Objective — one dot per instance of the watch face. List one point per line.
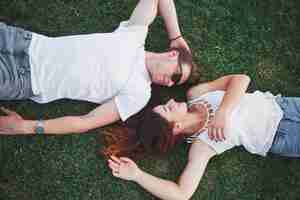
(39, 130)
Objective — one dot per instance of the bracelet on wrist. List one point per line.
(175, 38)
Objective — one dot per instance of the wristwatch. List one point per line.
(39, 128)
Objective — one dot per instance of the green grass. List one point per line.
(260, 38)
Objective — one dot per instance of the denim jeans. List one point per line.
(15, 79)
(287, 138)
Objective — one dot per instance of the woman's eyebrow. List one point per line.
(164, 108)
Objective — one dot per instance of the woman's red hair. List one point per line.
(153, 135)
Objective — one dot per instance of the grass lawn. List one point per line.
(259, 38)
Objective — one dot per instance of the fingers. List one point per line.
(10, 112)
(161, 79)
(210, 133)
(180, 43)
(115, 159)
(126, 160)
(7, 111)
(116, 174)
(118, 165)
(222, 135)
(113, 165)
(216, 134)
(115, 168)
(6, 131)
(167, 81)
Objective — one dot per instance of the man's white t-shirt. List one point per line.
(253, 122)
(93, 67)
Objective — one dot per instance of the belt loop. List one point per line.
(281, 101)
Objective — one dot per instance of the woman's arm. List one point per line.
(199, 155)
(104, 114)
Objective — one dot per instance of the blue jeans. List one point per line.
(287, 138)
(15, 80)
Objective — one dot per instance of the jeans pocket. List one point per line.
(287, 139)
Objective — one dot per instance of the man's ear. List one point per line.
(177, 128)
(173, 53)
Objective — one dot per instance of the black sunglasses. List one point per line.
(176, 77)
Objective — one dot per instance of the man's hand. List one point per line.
(124, 168)
(217, 125)
(12, 123)
(180, 43)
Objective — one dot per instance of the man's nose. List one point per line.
(167, 81)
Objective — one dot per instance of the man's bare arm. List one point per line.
(144, 13)
(239, 81)
(168, 12)
(104, 114)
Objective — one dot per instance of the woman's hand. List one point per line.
(217, 125)
(124, 168)
(180, 43)
(12, 123)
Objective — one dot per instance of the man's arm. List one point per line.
(199, 155)
(235, 87)
(235, 82)
(144, 13)
(168, 12)
(104, 114)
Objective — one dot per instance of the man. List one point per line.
(112, 69)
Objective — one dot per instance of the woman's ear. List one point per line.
(177, 128)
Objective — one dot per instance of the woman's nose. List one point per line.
(171, 101)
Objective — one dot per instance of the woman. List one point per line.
(218, 116)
